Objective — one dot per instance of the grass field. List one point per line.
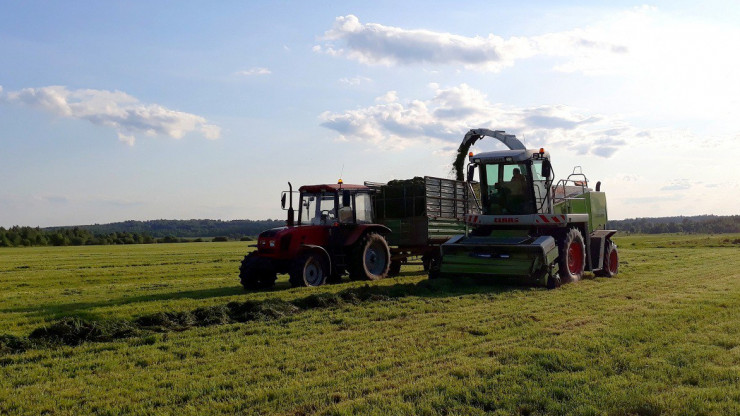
(663, 337)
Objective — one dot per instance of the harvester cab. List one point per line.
(529, 230)
(334, 234)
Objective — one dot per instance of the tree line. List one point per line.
(29, 236)
(704, 224)
(179, 231)
(234, 229)
(135, 232)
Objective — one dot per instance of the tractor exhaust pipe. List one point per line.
(291, 213)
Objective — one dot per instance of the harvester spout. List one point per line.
(509, 140)
(473, 136)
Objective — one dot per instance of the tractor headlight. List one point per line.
(509, 159)
(272, 243)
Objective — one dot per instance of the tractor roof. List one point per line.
(516, 155)
(333, 187)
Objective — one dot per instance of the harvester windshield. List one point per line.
(513, 188)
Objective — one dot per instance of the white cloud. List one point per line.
(354, 80)
(254, 71)
(116, 109)
(373, 43)
(677, 185)
(451, 112)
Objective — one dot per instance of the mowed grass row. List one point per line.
(661, 338)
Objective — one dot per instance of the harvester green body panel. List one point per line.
(524, 259)
(592, 203)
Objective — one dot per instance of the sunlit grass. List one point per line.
(663, 337)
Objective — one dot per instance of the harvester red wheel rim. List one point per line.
(575, 258)
(613, 262)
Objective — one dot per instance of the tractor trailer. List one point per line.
(367, 231)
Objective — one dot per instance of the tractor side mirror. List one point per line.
(471, 172)
(282, 201)
(346, 198)
(546, 169)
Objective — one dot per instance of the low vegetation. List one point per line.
(162, 328)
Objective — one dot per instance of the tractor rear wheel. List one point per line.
(611, 260)
(572, 256)
(256, 272)
(370, 258)
(309, 269)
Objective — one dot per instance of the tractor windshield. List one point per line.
(318, 208)
(508, 189)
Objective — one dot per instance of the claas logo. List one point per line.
(506, 220)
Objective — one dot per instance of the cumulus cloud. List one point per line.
(254, 71)
(451, 112)
(374, 43)
(127, 115)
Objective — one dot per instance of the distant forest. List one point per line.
(176, 231)
(185, 228)
(136, 232)
(702, 224)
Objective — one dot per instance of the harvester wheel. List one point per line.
(370, 259)
(394, 268)
(309, 269)
(255, 272)
(572, 256)
(611, 260)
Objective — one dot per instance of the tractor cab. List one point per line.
(334, 204)
(513, 182)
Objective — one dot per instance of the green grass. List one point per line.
(663, 337)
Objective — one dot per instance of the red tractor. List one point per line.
(335, 233)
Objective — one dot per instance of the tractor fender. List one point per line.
(361, 230)
(318, 249)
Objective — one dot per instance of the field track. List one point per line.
(663, 337)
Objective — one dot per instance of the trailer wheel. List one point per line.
(370, 258)
(435, 264)
(309, 269)
(572, 256)
(611, 260)
(394, 268)
(256, 272)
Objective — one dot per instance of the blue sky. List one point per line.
(143, 110)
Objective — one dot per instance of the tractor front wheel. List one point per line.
(256, 272)
(370, 258)
(572, 256)
(309, 269)
(611, 260)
